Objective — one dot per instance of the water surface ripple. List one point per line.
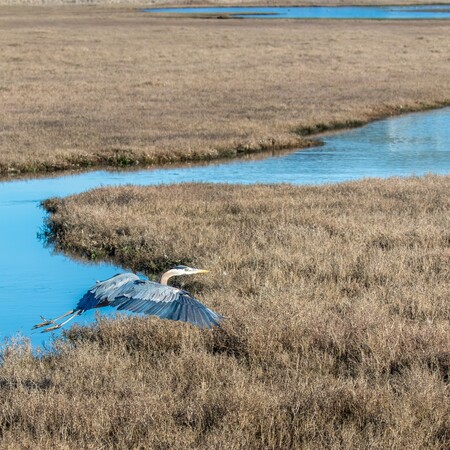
(35, 281)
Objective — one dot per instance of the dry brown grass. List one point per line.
(338, 331)
(93, 86)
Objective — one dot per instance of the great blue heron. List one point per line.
(127, 291)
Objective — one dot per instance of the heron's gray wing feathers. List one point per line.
(165, 302)
(104, 291)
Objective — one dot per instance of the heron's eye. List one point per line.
(186, 269)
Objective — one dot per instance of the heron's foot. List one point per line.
(54, 327)
(44, 323)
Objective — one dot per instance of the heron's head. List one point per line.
(181, 270)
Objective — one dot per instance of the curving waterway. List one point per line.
(34, 280)
(408, 12)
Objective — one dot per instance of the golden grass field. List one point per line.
(337, 334)
(99, 86)
(336, 297)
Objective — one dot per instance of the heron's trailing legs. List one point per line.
(56, 326)
(46, 322)
(50, 321)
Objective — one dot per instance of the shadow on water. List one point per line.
(35, 280)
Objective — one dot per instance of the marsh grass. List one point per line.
(82, 87)
(337, 299)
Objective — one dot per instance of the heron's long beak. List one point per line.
(202, 271)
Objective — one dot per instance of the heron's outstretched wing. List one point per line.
(165, 302)
(104, 291)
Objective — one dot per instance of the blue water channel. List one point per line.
(34, 280)
(318, 12)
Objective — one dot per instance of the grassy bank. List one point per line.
(97, 86)
(337, 333)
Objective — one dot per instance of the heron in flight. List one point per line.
(127, 291)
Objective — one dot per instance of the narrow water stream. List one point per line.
(34, 280)
(390, 12)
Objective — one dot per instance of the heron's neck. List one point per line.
(165, 277)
